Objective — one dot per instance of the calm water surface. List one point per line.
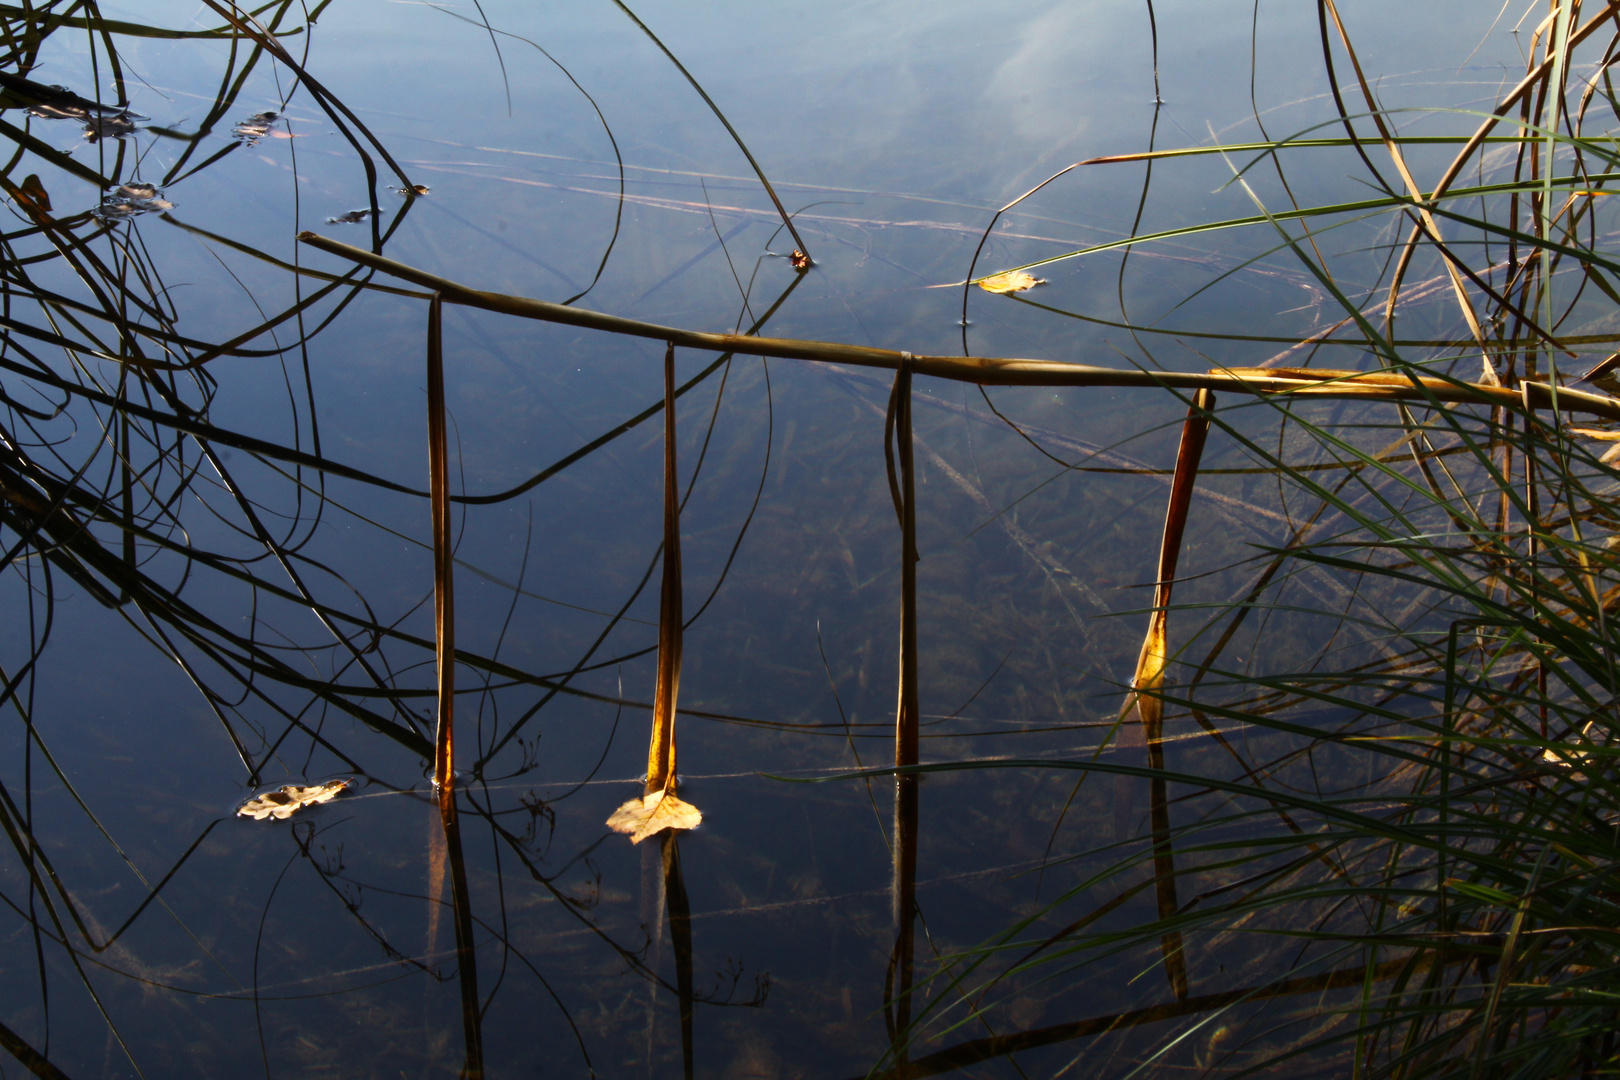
(332, 944)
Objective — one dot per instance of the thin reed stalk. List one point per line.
(680, 939)
(801, 259)
(898, 451)
(472, 1021)
(444, 607)
(659, 808)
(1148, 681)
(898, 448)
(661, 751)
(899, 980)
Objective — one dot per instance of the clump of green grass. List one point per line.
(1393, 848)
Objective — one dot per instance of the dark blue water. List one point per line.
(327, 945)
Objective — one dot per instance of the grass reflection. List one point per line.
(1369, 737)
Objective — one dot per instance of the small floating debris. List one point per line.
(353, 217)
(1010, 282)
(108, 126)
(287, 801)
(800, 261)
(131, 200)
(414, 189)
(255, 127)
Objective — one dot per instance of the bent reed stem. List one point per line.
(999, 371)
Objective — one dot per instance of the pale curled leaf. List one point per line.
(284, 802)
(1010, 282)
(642, 817)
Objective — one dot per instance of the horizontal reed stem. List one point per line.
(995, 371)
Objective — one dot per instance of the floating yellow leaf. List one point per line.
(1012, 281)
(286, 801)
(642, 817)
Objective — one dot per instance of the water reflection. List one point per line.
(227, 573)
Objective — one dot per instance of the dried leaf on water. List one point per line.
(286, 801)
(1010, 282)
(646, 815)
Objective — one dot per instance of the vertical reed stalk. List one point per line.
(1533, 526)
(661, 751)
(653, 912)
(898, 982)
(680, 937)
(1149, 679)
(472, 1019)
(444, 611)
(898, 437)
(658, 808)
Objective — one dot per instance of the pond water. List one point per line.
(219, 618)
